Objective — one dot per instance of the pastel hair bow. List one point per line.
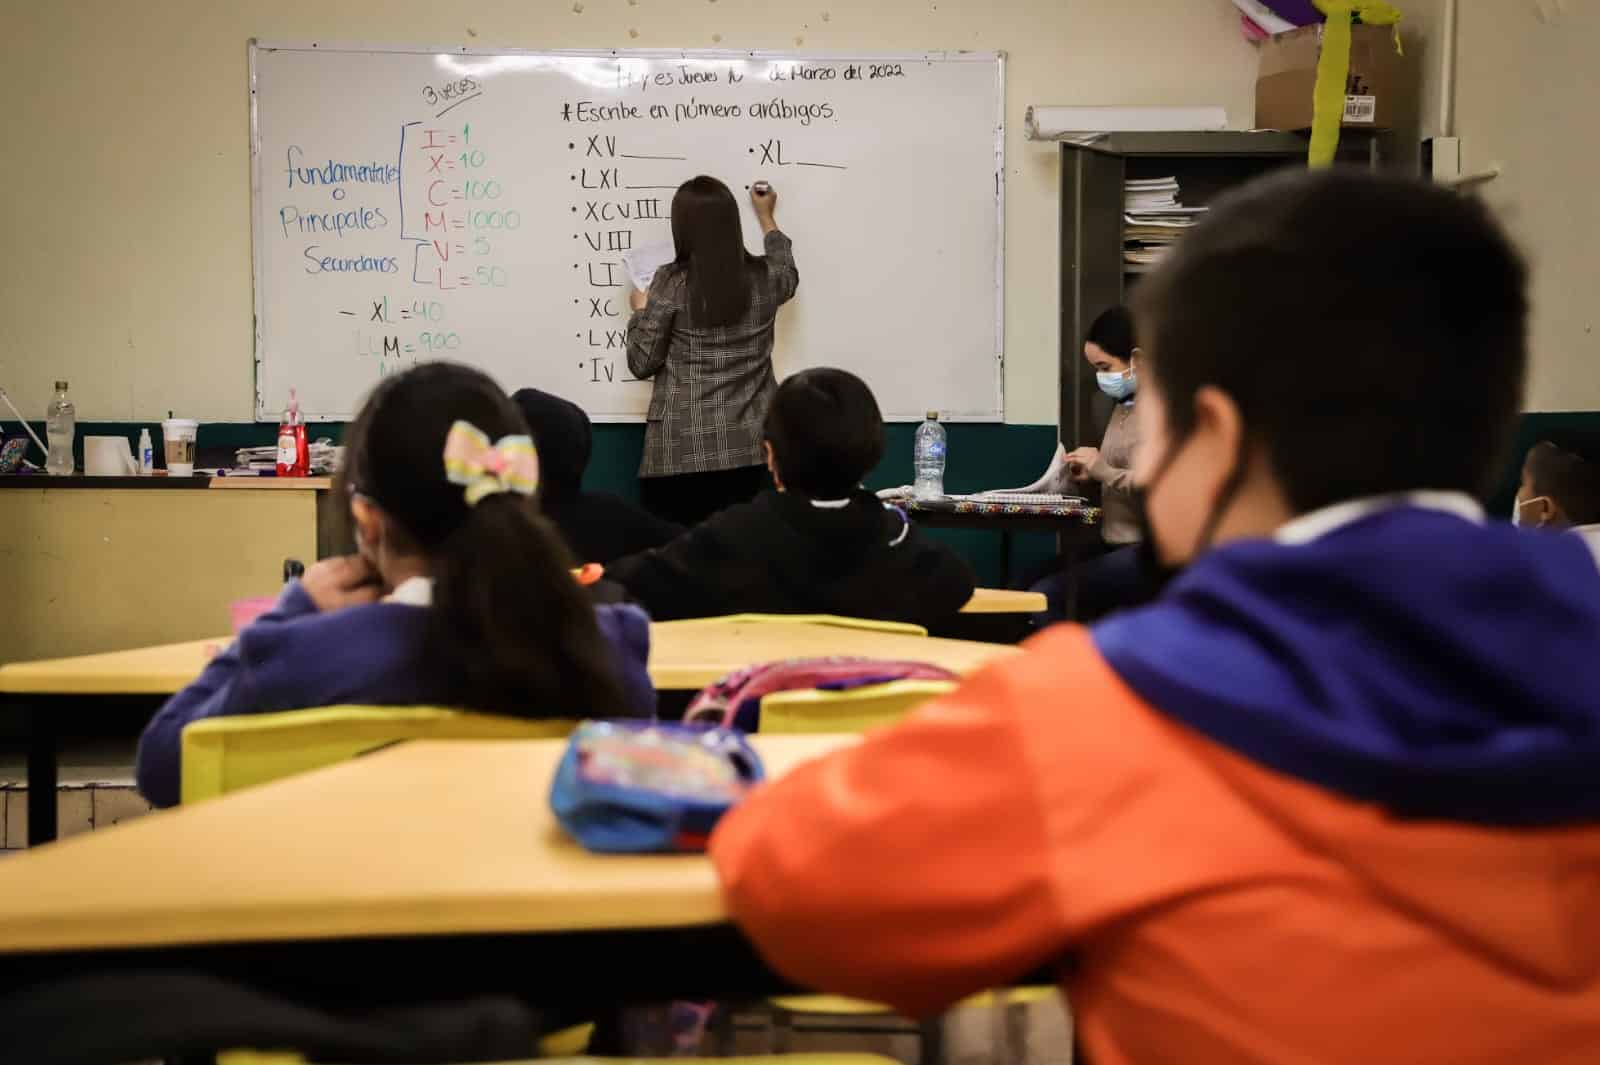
(511, 464)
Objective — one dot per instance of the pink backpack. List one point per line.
(735, 700)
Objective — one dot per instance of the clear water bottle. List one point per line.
(929, 459)
(61, 423)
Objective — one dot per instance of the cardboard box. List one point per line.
(1288, 77)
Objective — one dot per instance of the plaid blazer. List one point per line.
(712, 385)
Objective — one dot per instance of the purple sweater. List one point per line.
(283, 662)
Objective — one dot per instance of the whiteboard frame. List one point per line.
(998, 58)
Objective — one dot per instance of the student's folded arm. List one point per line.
(648, 328)
(912, 869)
(670, 581)
(224, 687)
(780, 263)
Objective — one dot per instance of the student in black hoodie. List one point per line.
(597, 526)
(820, 544)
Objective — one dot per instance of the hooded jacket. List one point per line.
(1334, 798)
(597, 526)
(782, 553)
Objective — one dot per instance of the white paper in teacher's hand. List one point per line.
(643, 262)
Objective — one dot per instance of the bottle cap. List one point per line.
(61, 386)
(933, 415)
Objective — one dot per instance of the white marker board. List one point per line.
(475, 204)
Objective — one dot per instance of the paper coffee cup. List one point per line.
(178, 434)
(108, 456)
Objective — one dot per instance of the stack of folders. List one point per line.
(324, 456)
(1153, 220)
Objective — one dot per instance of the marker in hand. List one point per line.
(764, 199)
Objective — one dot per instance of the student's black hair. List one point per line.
(709, 243)
(1372, 331)
(510, 630)
(1568, 478)
(826, 433)
(1112, 333)
(565, 439)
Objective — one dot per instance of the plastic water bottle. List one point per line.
(929, 459)
(61, 423)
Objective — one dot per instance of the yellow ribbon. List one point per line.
(1333, 69)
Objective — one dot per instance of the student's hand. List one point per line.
(1079, 462)
(637, 299)
(335, 583)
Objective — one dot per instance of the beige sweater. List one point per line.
(1114, 471)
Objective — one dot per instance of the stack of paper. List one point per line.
(325, 458)
(1153, 220)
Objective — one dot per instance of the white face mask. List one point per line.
(1516, 509)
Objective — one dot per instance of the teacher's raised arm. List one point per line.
(704, 335)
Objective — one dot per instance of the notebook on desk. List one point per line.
(1030, 499)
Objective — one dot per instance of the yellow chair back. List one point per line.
(901, 628)
(854, 710)
(223, 754)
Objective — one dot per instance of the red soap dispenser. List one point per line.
(294, 454)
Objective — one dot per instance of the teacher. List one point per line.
(704, 333)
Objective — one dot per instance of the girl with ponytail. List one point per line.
(460, 593)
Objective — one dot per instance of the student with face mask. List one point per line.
(1559, 490)
(1332, 797)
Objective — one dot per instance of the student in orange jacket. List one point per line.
(1335, 797)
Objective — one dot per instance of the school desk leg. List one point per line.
(42, 744)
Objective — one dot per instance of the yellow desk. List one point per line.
(685, 655)
(1005, 601)
(691, 654)
(426, 871)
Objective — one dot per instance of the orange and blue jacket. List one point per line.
(1325, 802)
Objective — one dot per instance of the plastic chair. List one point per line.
(223, 754)
(900, 628)
(851, 710)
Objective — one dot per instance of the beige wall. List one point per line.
(128, 143)
(1527, 88)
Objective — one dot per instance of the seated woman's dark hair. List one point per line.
(510, 630)
(826, 433)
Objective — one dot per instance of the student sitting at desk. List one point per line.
(461, 594)
(1559, 490)
(1332, 798)
(820, 544)
(597, 526)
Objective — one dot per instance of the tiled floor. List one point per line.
(96, 791)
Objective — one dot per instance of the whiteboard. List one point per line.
(474, 205)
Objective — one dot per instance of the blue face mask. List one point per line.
(1117, 386)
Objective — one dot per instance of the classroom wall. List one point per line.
(129, 138)
(1527, 83)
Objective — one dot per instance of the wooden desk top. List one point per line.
(426, 838)
(302, 484)
(684, 655)
(691, 654)
(1004, 601)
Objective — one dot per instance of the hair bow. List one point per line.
(511, 464)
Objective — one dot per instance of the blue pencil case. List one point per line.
(626, 787)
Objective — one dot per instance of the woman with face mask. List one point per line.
(1114, 579)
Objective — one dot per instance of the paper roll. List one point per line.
(108, 456)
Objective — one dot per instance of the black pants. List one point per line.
(1111, 582)
(691, 498)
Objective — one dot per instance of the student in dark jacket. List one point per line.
(597, 526)
(820, 544)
